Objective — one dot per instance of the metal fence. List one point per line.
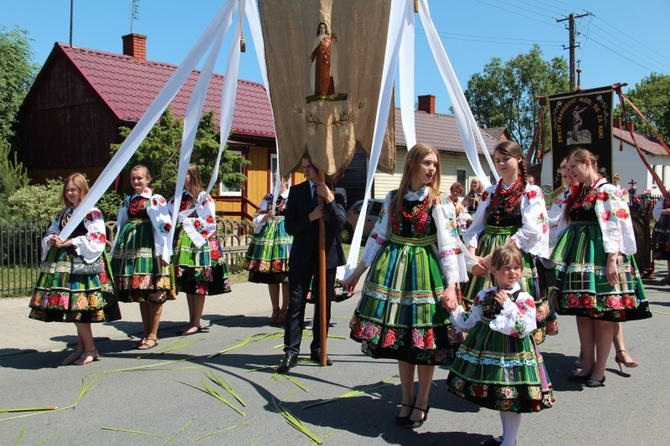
(20, 251)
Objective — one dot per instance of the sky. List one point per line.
(619, 41)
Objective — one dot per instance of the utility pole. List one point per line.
(571, 29)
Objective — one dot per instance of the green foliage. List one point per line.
(160, 153)
(109, 205)
(17, 74)
(652, 97)
(38, 202)
(505, 94)
(13, 176)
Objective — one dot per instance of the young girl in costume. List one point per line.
(200, 269)
(499, 366)
(267, 256)
(416, 259)
(510, 212)
(75, 284)
(141, 254)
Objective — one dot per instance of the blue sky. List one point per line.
(621, 41)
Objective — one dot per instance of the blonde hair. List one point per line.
(413, 160)
(142, 166)
(506, 255)
(196, 181)
(78, 180)
(479, 186)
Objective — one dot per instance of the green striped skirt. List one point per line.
(200, 271)
(582, 288)
(268, 253)
(399, 315)
(500, 372)
(59, 296)
(139, 276)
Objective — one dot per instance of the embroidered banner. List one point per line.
(582, 119)
(324, 64)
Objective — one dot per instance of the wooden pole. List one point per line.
(323, 298)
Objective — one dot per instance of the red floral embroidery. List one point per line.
(485, 195)
(210, 219)
(573, 300)
(606, 216)
(586, 301)
(603, 196)
(197, 224)
(531, 194)
(622, 214)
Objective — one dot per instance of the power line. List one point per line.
(516, 13)
(491, 39)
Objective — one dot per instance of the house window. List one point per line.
(460, 177)
(232, 191)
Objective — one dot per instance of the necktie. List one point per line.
(314, 197)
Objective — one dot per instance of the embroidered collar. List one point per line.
(418, 195)
(146, 193)
(516, 287)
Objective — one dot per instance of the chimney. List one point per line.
(135, 45)
(617, 123)
(631, 127)
(427, 103)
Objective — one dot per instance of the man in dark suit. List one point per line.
(301, 219)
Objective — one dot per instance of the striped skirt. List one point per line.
(200, 271)
(139, 276)
(59, 296)
(268, 253)
(582, 288)
(660, 239)
(399, 315)
(500, 372)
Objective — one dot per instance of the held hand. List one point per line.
(317, 213)
(485, 262)
(448, 300)
(501, 297)
(53, 240)
(57, 241)
(324, 191)
(350, 282)
(480, 270)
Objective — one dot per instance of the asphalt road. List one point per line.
(131, 399)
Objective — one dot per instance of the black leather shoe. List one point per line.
(287, 363)
(578, 378)
(316, 357)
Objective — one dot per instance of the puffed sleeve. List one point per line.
(533, 235)
(54, 229)
(260, 212)
(615, 221)
(379, 233)
(157, 210)
(200, 228)
(471, 235)
(658, 208)
(465, 320)
(516, 319)
(449, 243)
(91, 245)
(121, 220)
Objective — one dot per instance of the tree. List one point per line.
(13, 176)
(37, 202)
(160, 153)
(652, 97)
(505, 93)
(17, 74)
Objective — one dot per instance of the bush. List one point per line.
(38, 202)
(109, 205)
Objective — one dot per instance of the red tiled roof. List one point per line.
(647, 144)
(128, 87)
(440, 131)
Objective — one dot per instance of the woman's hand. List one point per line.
(611, 270)
(350, 282)
(267, 216)
(501, 297)
(448, 300)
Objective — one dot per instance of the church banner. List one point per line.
(582, 119)
(324, 63)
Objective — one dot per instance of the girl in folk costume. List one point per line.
(416, 260)
(141, 254)
(597, 277)
(471, 201)
(75, 284)
(267, 256)
(511, 212)
(200, 268)
(499, 366)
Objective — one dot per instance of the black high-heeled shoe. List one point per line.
(417, 424)
(401, 421)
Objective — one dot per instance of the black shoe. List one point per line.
(316, 357)
(401, 421)
(493, 442)
(578, 378)
(417, 424)
(287, 363)
(595, 383)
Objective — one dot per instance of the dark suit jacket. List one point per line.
(304, 250)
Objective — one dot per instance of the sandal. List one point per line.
(87, 358)
(188, 331)
(149, 344)
(72, 358)
(141, 343)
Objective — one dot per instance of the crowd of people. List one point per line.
(474, 283)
